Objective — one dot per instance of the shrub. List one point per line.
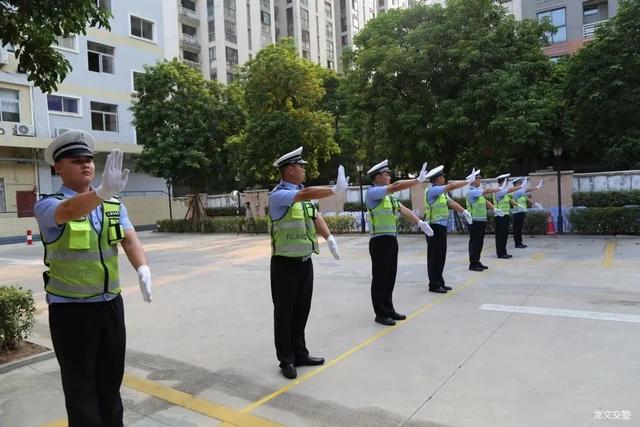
(220, 224)
(17, 311)
(341, 224)
(355, 206)
(605, 220)
(606, 199)
(230, 211)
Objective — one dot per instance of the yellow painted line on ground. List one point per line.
(230, 416)
(609, 251)
(352, 350)
(538, 256)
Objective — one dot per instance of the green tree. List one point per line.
(462, 85)
(32, 26)
(282, 96)
(603, 94)
(182, 123)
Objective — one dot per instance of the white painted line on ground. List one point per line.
(579, 314)
(18, 261)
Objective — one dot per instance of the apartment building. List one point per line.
(576, 20)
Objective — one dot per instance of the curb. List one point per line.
(49, 354)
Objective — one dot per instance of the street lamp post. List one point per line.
(359, 167)
(557, 152)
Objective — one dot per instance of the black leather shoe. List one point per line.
(440, 290)
(505, 256)
(476, 268)
(387, 321)
(398, 316)
(289, 371)
(484, 266)
(309, 361)
(521, 246)
(448, 288)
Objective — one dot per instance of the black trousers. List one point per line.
(502, 234)
(436, 255)
(384, 265)
(518, 224)
(476, 240)
(89, 340)
(291, 291)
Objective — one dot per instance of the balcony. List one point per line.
(192, 64)
(187, 40)
(589, 30)
(188, 15)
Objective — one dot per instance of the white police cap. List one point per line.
(383, 166)
(477, 175)
(517, 179)
(73, 143)
(435, 172)
(503, 176)
(293, 157)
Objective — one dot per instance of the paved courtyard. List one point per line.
(547, 338)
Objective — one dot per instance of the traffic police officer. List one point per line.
(436, 209)
(293, 224)
(502, 201)
(81, 227)
(383, 209)
(478, 205)
(519, 211)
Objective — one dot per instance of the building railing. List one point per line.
(192, 40)
(589, 30)
(192, 64)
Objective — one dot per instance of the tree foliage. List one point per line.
(461, 85)
(32, 26)
(182, 123)
(603, 93)
(282, 97)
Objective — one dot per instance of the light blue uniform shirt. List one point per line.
(473, 195)
(515, 195)
(374, 196)
(281, 198)
(44, 211)
(433, 193)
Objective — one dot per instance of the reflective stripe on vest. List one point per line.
(82, 262)
(294, 235)
(478, 209)
(438, 210)
(503, 204)
(383, 218)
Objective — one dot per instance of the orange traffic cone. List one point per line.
(551, 230)
(29, 238)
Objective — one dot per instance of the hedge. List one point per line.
(355, 206)
(606, 199)
(226, 224)
(17, 311)
(232, 211)
(610, 221)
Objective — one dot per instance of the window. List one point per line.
(230, 10)
(290, 22)
(231, 55)
(230, 77)
(354, 4)
(189, 4)
(265, 18)
(134, 82)
(266, 5)
(214, 74)
(558, 18)
(212, 30)
(327, 10)
(9, 105)
(330, 49)
(329, 30)
(63, 104)
(141, 28)
(356, 24)
(304, 18)
(306, 40)
(330, 65)
(100, 57)
(3, 206)
(304, 3)
(104, 4)
(230, 32)
(104, 117)
(212, 53)
(345, 40)
(189, 30)
(210, 8)
(306, 55)
(380, 3)
(68, 43)
(190, 56)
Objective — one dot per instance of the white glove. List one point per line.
(144, 279)
(498, 212)
(423, 174)
(539, 186)
(425, 228)
(467, 216)
(504, 184)
(113, 178)
(472, 177)
(342, 183)
(537, 206)
(333, 246)
(525, 182)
